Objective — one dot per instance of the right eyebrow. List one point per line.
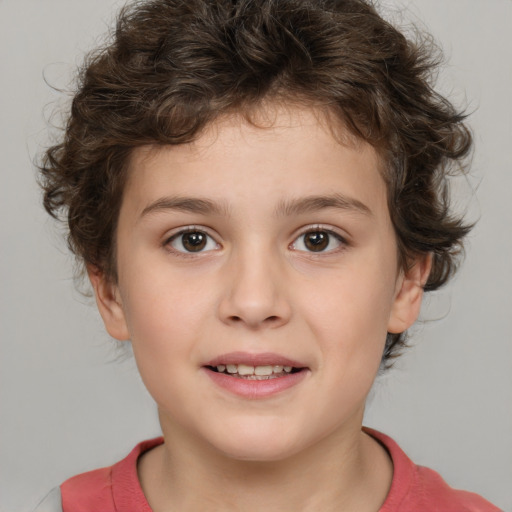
(187, 204)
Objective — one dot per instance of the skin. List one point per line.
(257, 287)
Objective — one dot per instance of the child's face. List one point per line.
(265, 245)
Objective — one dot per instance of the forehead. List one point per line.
(289, 151)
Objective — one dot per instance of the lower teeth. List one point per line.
(257, 377)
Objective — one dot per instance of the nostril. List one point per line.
(270, 320)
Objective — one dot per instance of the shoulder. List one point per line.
(107, 488)
(420, 488)
(435, 491)
(89, 491)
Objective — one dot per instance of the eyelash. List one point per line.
(341, 241)
(179, 236)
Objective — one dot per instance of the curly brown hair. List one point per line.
(173, 66)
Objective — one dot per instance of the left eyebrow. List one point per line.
(314, 203)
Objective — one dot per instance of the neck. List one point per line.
(347, 471)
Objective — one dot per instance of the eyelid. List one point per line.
(177, 232)
(331, 230)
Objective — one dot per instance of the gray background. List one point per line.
(68, 404)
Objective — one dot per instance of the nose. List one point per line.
(256, 292)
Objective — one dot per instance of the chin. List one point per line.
(258, 453)
(258, 444)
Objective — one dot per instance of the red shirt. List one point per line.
(414, 488)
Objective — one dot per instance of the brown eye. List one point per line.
(318, 240)
(192, 241)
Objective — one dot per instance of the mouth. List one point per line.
(255, 376)
(250, 372)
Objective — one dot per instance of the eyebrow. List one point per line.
(284, 208)
(187, 204)
(314, 203)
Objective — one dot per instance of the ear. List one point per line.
(409, 294)
(109, 304)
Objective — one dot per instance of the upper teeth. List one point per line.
(243, 369)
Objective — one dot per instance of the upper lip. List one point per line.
(263, 359)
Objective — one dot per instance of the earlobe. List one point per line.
(409, 295)
(109, 304)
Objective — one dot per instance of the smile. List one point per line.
(255, 376)
(248, 372)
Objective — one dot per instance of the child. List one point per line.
(257, 191)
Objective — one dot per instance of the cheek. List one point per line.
(349, 312)
(164, 330)
(350, 302)
(158, 301)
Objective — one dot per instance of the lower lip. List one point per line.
(254, 389)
